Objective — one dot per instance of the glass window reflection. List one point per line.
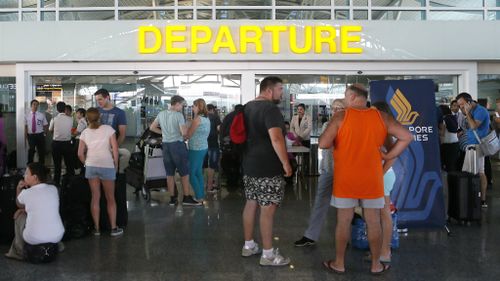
(141, 97)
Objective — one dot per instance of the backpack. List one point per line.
(237, 131)
(451, 123)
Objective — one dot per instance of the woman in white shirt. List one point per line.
(301, 125)
(38, 225)
(98, 150)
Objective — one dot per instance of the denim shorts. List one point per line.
(101, 173)
(175, 156)
(213, 158)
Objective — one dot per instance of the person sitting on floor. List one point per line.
(38, 225)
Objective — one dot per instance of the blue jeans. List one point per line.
(196, 158)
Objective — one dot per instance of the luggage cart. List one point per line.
(154, 175)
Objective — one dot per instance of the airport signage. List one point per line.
(250, 39)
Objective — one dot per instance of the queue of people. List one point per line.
(458, 125)
(356, 138)
(39, 228)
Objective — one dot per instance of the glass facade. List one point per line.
(317, 92)
(489, 89)
(8, 109)
(142, 97)
(75, 10)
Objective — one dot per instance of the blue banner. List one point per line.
(418, 190)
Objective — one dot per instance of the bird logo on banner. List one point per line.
(405, 113)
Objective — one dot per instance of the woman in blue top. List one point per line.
(198, 146)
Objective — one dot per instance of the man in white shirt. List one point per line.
(35, 130)
(455, 110)
(61, 142)
(301, 125)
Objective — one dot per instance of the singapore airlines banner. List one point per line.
(418, 191)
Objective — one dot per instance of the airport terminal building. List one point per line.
(145, 51)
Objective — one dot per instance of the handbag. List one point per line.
(470, 160)
(489, 145)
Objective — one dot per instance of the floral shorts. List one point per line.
(264, 190)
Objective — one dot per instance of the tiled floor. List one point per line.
(204, 243)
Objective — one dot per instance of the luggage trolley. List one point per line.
(154, 173)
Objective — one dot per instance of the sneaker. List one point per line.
(483, 204)
(304, 241)
(173, 201)
(96, 232)
(60, 247)
(189, 201)
(246, 252)
(275, 260)
(116, 232)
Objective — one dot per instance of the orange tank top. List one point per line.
(357, 160)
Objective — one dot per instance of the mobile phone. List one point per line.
(497, 114)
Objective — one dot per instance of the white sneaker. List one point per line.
(247, 252)
(275, 260)
(116, 232)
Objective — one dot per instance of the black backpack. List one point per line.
(41, 253)
(451, 123)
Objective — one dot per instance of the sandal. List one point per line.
(385, 267)
(368, 258)
(328, 265)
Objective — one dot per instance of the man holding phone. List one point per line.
(478, 120)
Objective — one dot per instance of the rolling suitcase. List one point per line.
(8, 206)
(135, 178)
(121, 204)
(74, 208)
(464, 201)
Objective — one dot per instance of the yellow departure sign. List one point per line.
(245, 39)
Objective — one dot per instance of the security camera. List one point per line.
(135, 72)
(360, 72)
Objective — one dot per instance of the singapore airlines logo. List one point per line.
(405, 115)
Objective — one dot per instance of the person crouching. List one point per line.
(38, 225)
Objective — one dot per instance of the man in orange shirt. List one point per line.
(357, 136)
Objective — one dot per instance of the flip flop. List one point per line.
(368, 258)
(385, 267)
(328, 265)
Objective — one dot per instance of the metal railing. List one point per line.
(80, 10)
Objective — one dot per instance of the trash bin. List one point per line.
(313, 160)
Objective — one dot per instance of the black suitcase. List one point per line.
(75, 197)
(135, 177)
(8, 206)
(136, 160)
(464, 191)
(121, 204)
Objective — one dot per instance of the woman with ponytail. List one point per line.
(98, 150)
